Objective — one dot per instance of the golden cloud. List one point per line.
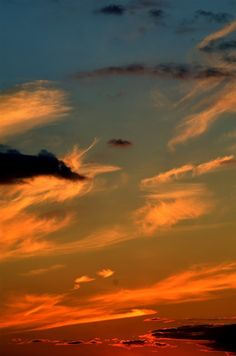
(194, 170)
(31, 105)
(24, 232)
(176, 204)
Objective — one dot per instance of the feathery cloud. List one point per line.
(31, 105)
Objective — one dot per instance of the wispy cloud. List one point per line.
(197, 124)
(196, 284)
(223, 32)
(40, 312)
(188, 169)
(24, 232)
(31, 105)
(40, 271)
(174, 205)
(47, 311)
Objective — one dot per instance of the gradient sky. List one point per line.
(138, 99)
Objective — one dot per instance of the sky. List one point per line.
(117, 177)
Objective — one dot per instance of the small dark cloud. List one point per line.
(157, 13)
(16, 167)
(74, 342)
(112, 10)
(219, 17)
(215, 337)
(119, 142)
(166, 70)
(138, 342)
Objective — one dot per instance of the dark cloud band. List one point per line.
(169, 70)
(217, 337)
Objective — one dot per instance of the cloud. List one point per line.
(223, 46)
(48, 311)
(176, 204)
(40, 271)
(105, 273)
(24, 226)
(17, 167)
(163, 70)
(197, 124)
(157, 14)
(56, 342)
(83, 279)
(117, 10)
(31, 105)
(215, 337)
(119, 142)
(220, 17)
(188, 169)
(198, 283)
(223, 32)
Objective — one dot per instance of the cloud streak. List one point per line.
(196, 125)
(166, 70)
(188, 170)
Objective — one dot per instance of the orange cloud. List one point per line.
(197, 124)
(40, 312)
(194, 170)
(40, 271)
(226, 30)
(24, 232)
(83, 279)
(47, 311)
(31, 105)
(105, 273)
(179, 203)
(198, 283)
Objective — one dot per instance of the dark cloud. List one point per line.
(168, 70)
(16, 167)
(216, 337)
(219, 17)
(49, 341)
(216, 46)
(119, 142)
(157, 13)
(229, 59)
(112, 10)
(138, 342)
(74, 342)
(147, 4)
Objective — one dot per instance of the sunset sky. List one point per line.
(117, 177)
